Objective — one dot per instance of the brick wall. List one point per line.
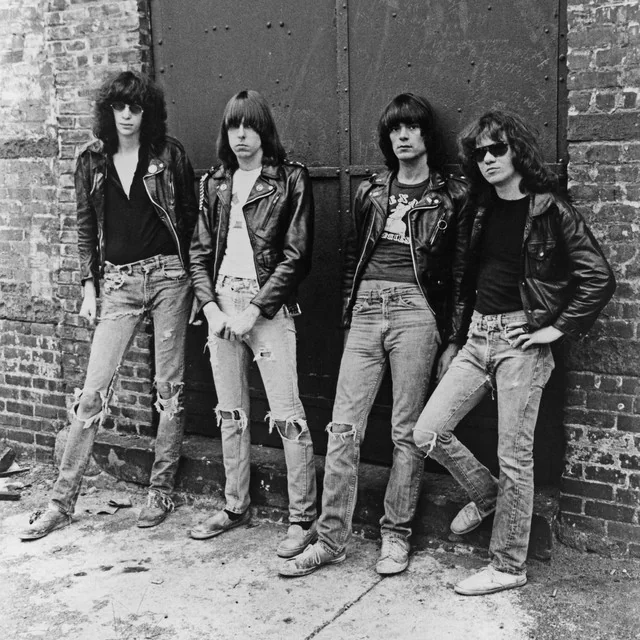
(52, 56)
(601, 484)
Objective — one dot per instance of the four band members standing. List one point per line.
(463, 284)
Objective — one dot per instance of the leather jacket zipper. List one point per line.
(440, 226)
(166, 213)
(413, 260)
(355, 273)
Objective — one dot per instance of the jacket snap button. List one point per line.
(223, 187)
(152, 168)
(259, 187)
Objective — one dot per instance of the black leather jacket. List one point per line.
(567, 280)
(436, 239)
(279, 214)
(169, 182)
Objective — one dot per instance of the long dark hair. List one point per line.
(409, 108)
(528, 161)
(131, 87)
(250, 109)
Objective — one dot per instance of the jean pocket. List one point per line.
(412, 301)
(113, 280)
(360, 306)
(523, 326)
(174, 273)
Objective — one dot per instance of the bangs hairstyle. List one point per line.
(133, 88)
(250, 109)
(409, 108)
(528, 161)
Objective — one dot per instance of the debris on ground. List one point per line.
(7, 456)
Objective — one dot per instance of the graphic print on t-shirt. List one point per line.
(395, 229)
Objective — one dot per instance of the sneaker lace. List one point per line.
(156, 498)
(310, 556)
(35, 515)
(392, 547)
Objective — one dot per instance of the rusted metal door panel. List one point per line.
(464, 56)
(206, 51)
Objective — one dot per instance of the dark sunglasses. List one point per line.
(496, 149)
(134, 108)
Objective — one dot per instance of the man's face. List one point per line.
(244, 142)
(128, 123)
(407, 142)
(496, 163)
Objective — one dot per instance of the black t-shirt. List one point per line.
(500, 264)
(133, 229)
(391, 258)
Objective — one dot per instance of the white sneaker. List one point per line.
(394, 555)
(490, 580)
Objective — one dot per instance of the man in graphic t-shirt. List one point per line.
(250, 251)
(400, 275)
(534, 274)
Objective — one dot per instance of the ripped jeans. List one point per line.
(392, 327)
(271, 343)
(488, 363)
(161, 288)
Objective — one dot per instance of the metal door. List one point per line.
(328, 68)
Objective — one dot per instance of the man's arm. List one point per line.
(297, 248)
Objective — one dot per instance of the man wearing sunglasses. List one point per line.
(136, 210)
(534, 273)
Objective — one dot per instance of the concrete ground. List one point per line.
(102, 578)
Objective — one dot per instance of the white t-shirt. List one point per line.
(238, 255)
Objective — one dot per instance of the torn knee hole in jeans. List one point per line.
(263, 352)
(171, 405)
(341, 430)
(289, 429)
(97, 418)
(237, 416)
(428, 446)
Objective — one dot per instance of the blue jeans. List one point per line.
(392, 326)
(488, 363)
(161, 288)
(271, 343)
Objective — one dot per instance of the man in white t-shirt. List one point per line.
(251, 249)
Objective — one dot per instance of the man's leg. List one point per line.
(114, 333)
(230, 362)
(273, 343)
(170, 308)
(361, 372)
(412, 343)
(463, 386)
(520, 378)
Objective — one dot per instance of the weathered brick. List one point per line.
(570, 504)
(602, 474)
(630, 461)
(605, 511)
(587, 489)
(584, 523)
(629, 423)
